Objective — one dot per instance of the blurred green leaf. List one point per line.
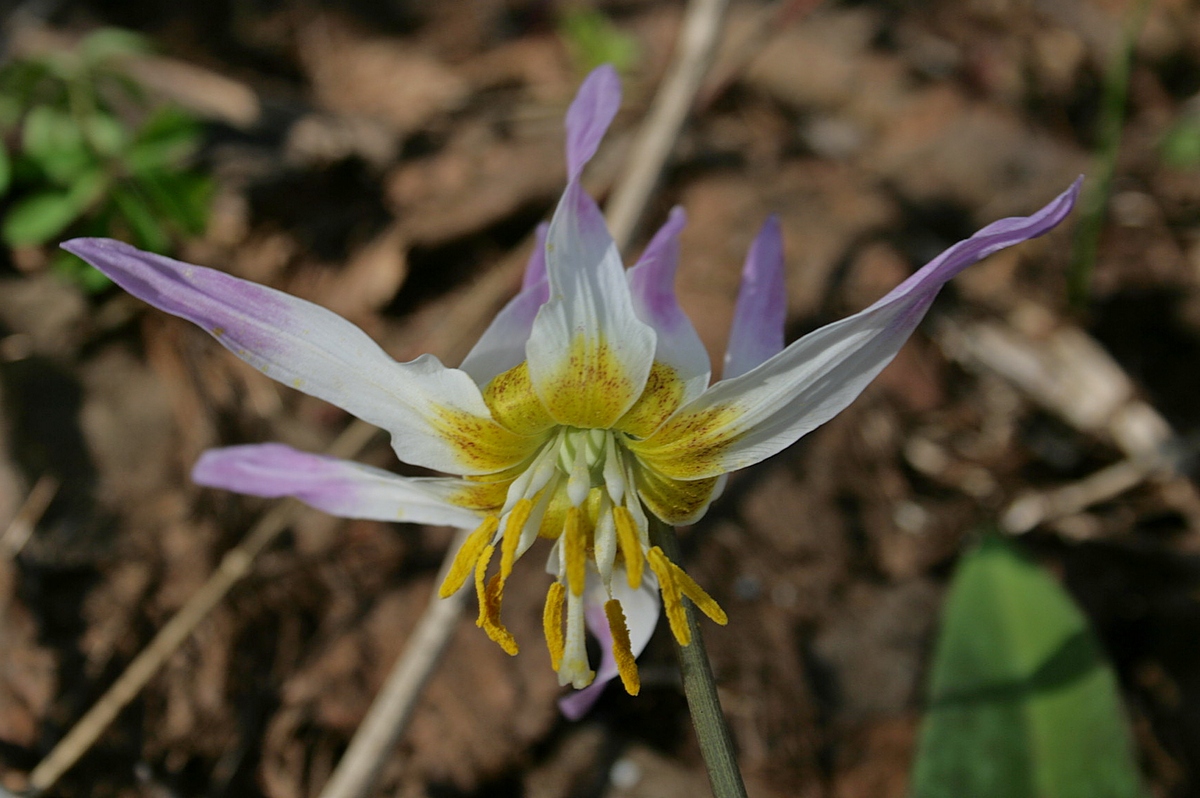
(52, 140)
(143, 222)
(105, 44)
(1180, 147)
(1022, 703)
(105, 133)
(167, 138)
(181, 197)
(38, 218)
(5, 170)
(592, 39)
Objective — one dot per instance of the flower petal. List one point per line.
(652, 283)
(589, 354)
(742, 421)
(436, 415)
(502, 345)
(338, 487)
(589, 116)
(757, 332)
(641, 608)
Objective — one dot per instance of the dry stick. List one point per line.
(32, 509)
(234, 565)
(693, 55)
(393, 707)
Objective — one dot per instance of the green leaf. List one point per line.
(52, 140)
(592, 39)
(5, 170)
(181, 197)
(105, 133)
(105, 44)
(167, 138)
(141, 218)
(1022, 702)
(1180, 147)
(40, 217)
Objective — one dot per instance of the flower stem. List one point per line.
(716, 745)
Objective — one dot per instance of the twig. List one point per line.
(694, 51)
(393, 707)
(716, 744)
(234, 566)
(21, 528)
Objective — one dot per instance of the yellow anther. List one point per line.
(706, 603)
(512, 535)
(631, 545)
(622, 650)
(575, 551)
(552, 623)
(672, 601)
(468, 554)
(489, 604)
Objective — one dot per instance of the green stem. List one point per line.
(716, 744)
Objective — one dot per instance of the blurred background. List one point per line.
(390, 160)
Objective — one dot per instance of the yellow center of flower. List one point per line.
(586, 489)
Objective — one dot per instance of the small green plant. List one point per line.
(85, 153)
(592, 39)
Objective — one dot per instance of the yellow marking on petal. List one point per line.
(660, 398)
(552, 623)
(591, 388)
(468, 554)
(514, 404)
(517, 519)
(576, 550)
(630, 543)
(481, 443)
(622, 650)
(672, 601)
(479, 494)
(675, 501)
(692, 444)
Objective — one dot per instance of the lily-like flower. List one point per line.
(584, 412)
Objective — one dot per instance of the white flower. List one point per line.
(585, 408)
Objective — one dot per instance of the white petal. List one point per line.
(652, 283)
(589, 354)
(436, 415)
(339, 487)
(741, 421)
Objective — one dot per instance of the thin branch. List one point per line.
(694, 51)
(234, 566)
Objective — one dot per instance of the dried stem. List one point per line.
(234, 566)
(716, 744)
(693, 55)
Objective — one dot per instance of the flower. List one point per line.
(583, 412)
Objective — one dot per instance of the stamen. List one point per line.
(575, 670)
(672, 600)
(489, 605)
(512, 535)
(614, 476)
(575, 550)
(706, 603)
(468, 553)
(552, 623)
(631, 546)
(622, 650)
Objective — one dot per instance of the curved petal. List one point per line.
(757, 332)
(652, 284)
(641, 608)
(588, 352)
(590, 114)
(502, 345)
(436, 415)
(338, 487)
(742, 421)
